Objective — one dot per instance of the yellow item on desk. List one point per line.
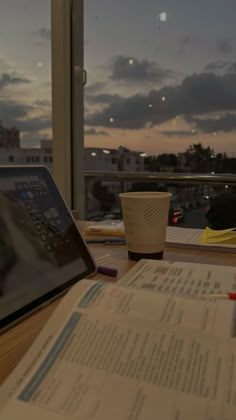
(106, 228)
(225, 236)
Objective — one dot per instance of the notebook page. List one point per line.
(186, 237)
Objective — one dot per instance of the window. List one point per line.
(27, 89)
(158, 83)
(25, 76)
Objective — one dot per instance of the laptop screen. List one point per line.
(41, 250)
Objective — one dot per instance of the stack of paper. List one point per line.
(199, 239)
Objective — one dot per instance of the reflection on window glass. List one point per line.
(162, 80)
(25, 80)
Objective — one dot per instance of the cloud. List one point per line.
(232, 68)
(5, 67)
(94, 94)
(16, 114)
(44, 33)
(132, 70)
(103, 98)
(94, 88)
(43, 103)
(224, 123)
(225, 45)
(225, 65)
(218, 65)
(9, 79)
(94, 132)
(185, 43)
(35, 124)
(11, 112)
(198, 94)
(125, 113)
(178, 133)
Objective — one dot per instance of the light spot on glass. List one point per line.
(163, 16)
(163, 98)
(107, 152)
(131, 61)
(93, 154)
(149, 105)
(111, 120)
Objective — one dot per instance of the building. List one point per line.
(96, 159)
(28, 156)
(121, 159)
(109, 160)
(9, 137)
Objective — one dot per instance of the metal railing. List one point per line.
(216, 179)
(186, 180)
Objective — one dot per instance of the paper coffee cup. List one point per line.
(145, 216)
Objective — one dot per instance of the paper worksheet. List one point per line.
(107, 361)
(205, 316)
(186, 237)
(181, 279)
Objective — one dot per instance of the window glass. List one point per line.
(25, 78)
(161, 97)
(161, 77)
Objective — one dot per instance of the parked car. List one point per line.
(176, 215)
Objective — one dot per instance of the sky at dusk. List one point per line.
(161, 74)
(25, 68)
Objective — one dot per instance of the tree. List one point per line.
(168, 159)
(154, 163)
(151, 164)
(199, 158)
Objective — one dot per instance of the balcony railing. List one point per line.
(189, 192)
(216, 179)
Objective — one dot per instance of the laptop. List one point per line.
(42, 253)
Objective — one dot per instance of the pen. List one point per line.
(231, 296)
(106, 241)
(107, 270)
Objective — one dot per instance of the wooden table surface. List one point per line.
(15, 342)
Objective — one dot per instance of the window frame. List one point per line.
(68, 100)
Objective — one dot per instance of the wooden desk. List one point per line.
(15, 342)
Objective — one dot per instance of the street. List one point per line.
(194, 218)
